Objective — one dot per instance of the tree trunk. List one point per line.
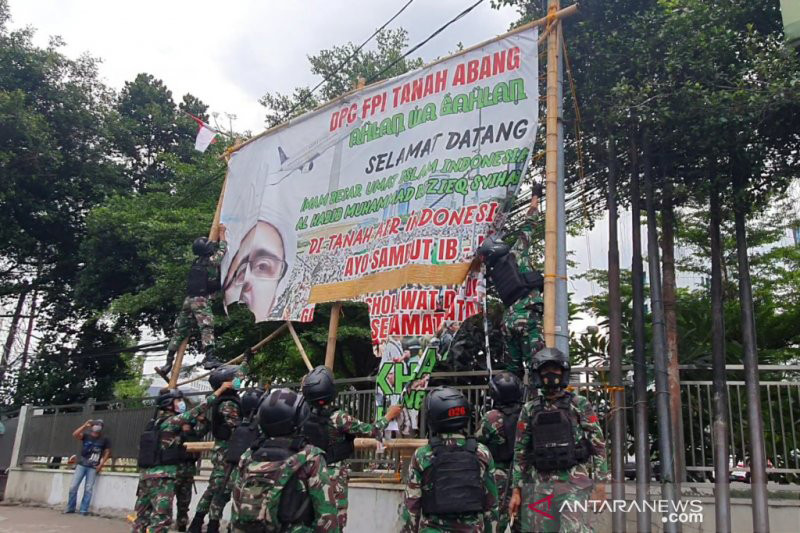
(28, 334)
(12, 334)
(642, 440)
(722, 494)
(615, 346)
(665, 450)
(758, 466)
(670, 310)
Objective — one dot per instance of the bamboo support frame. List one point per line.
(333, 328)
(551, 179)
(300, 347)
(359, 444)
(240, 357)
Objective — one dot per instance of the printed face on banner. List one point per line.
(386, 192)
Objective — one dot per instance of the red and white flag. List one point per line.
(205, 134)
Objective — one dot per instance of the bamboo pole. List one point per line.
(213, 235)
(300, 346)
(359, 444)
(551, 179)
(240, 357)
(557, 15)
(333, 327)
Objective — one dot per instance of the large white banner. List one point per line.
(390, 188)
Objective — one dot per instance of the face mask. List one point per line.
(550, 380)
(97, 429)
(181, 407)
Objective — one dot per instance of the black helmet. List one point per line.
(318, 386)
(221, 374)
(202, 246)
(550, 356)
(164, 400)
(447, 410)
(250, 399)
(505, 388)
(282, 412)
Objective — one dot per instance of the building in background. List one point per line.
(790, 9)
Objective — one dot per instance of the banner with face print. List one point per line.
(386, 191)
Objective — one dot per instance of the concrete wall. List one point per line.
(373, 506)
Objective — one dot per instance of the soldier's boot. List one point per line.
(197, 523)
(164, 371)
(211, 362)
(213, 526)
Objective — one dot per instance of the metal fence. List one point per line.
(47, 439)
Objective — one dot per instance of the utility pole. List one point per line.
(562, 297)
(12, 333)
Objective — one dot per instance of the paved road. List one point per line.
(15, 519)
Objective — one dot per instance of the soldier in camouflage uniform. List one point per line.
(451, 480)
(279, 476)
(523, 320)
(497, 430)
(334, 430)
(184, 482)
(157, 484)
(224, 418)
(202, 285)
(554, 481)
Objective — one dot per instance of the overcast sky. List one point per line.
(229, 54)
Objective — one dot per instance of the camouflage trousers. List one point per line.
(154, 505)
(218, 492)
(501, 475)
(521, 347)
(184, 484)
(340, 475)
(560, 506)
(195, 310)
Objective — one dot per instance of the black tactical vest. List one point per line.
(552, 444)
(151, 450)
(199, 282)
(219, 428)
(242, 438)
(452, 484)
(295, 506)
(320, 432)
(504, 453)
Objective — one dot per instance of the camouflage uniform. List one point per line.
(490, 431)
(411, 514)
(523, 320)
(342, 423)
(263, 501)
(157, 484)
(197, 310)
(184, 482)
(575, 484)
(218, 492)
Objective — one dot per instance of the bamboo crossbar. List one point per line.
(360, 444)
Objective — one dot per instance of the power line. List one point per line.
(431, 36)
(344, 62)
